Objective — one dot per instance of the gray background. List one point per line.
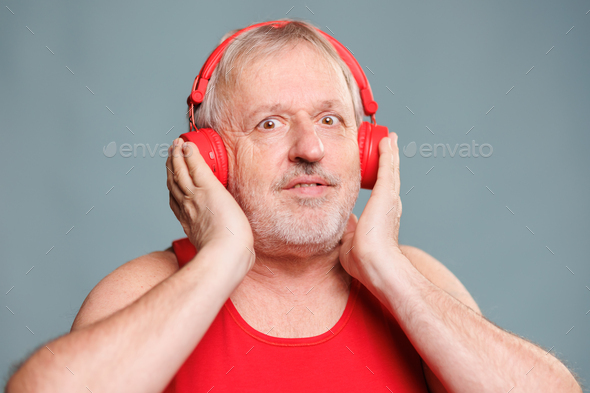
(447, 64)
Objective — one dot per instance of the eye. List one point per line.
(269, 124)
(329, 120)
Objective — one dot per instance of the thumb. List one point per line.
(351, 224)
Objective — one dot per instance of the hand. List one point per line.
(368, 242)
(204, 207)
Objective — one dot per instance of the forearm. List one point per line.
(139, 348)
(466, 352)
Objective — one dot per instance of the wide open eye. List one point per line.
(269, 124)
(329, 120)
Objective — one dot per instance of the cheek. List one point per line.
(353, 163)
(355, 148)
(355, 166)
(350, 155)
(240, 154)
(251, 165)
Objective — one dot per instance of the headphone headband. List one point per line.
(200, 84)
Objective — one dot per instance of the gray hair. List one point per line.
(260, 43)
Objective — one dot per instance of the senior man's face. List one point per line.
(295, 125)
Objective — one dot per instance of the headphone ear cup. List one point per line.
(212, 150)
(369, 136)
(362, 137)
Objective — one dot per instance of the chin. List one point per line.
(301, 233)
(281, 249)
(294, 226)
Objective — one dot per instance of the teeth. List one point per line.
(305, 185)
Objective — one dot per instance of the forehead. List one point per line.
(293, 77)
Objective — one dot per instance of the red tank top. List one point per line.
(366, 351)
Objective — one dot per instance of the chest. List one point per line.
(363, 351)
(292, 317)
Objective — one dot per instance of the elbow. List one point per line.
(32, 376)
(571, 385)
(19, 382)
(566, 381)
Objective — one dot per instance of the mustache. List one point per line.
(309, 169)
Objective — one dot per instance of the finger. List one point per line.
(175, 191)
(350, 228)
(395, 152)
(169, 167)
(180, 216)
(351, 224)
(181, 176)
(198, 169)
(388, 172)
(176, 208)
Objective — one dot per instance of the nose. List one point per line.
(306, 145)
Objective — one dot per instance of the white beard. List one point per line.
(309, 227)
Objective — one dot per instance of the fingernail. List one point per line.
(389, 141)
(185, 147)
(396, 139)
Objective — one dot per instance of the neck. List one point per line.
(293, 296)
(292, 274)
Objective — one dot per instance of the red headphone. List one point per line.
(211, 146)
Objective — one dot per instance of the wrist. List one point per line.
(389, 275)
(227, 259)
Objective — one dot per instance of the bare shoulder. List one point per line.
(439, 275)
(124, 285)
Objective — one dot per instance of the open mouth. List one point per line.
(307, 185)
(311, 189)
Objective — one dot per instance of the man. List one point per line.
(288, 255)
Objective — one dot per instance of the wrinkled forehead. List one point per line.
(295, 74)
